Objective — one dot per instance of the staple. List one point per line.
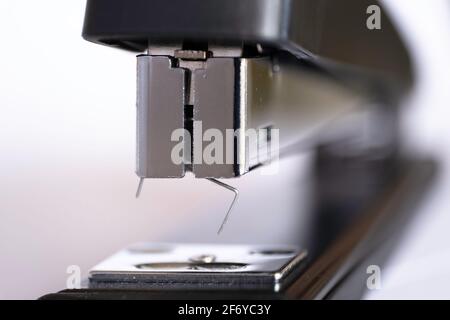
(236, 196)
(139, 189)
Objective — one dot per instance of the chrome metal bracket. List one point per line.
(200, 92)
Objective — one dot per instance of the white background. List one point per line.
(67, 156)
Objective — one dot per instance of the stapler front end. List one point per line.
(231, 89)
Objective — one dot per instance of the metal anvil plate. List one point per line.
(199, 266)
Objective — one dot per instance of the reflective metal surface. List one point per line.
(217, 108)
(184, 266)
(232, 96)
(160, 111)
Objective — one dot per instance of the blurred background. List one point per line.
(67, 144)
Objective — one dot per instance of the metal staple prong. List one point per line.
(139, 189)
(236, 196)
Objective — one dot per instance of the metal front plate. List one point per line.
(237, 95)
(199, 266)
(215, 108)
(160, 111)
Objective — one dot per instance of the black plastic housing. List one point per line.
(331, 29)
